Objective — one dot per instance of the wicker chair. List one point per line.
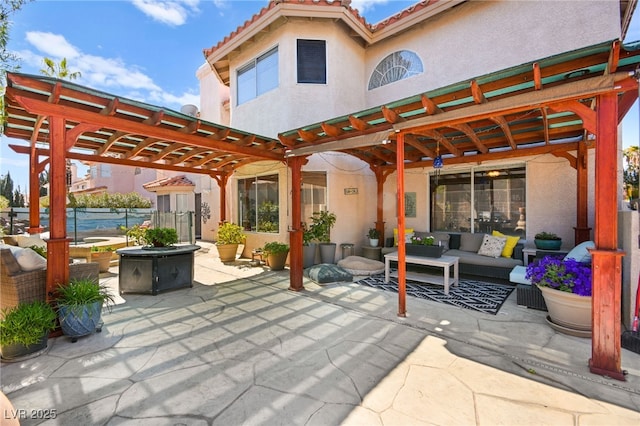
(18, 286)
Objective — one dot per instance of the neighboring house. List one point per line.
(297, 63)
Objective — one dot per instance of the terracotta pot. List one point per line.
(227, 252)
(568, 310)
(277, 261)
(103, 259)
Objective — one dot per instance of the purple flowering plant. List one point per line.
(565, 275)
(423, 241)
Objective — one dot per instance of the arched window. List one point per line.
(397, 66)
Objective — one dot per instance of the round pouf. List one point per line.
(357, 265)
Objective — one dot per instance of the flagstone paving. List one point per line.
(239, 348)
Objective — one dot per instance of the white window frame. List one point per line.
(391, 69)
(249, 85)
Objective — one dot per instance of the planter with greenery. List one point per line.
(374, 237)
(80, 306)
(423, 246)
(321, 224)
(547, 241)
(102, 256)
(308, 247)
(24, 329)
(230, 236)
(566, 286)
(161, 237)
(276, 255)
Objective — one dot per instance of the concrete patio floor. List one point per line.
(239, 348)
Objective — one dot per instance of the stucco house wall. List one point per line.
(469, 40)
(477, 38)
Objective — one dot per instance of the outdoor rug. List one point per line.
(469, 294)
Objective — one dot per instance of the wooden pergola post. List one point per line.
(222, 184)
(606, 258)
(381, 177)
(295, 234)
(582, 231)
(34, 191)
(402, 270)
(58, 243)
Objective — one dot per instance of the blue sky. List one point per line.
(150, 50)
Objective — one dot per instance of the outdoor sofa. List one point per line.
(465, 246)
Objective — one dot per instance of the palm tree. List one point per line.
(59, 70)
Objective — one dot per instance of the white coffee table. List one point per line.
(444, 262)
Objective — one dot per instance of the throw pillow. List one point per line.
(512, 241)
(471, 242)
(327, 273)
(29, 260)
(581, 252)
(30, 240)
(408, 233)
(492, 246)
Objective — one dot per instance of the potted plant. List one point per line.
(24, 329)
(423, 246)
(161, 237)
(308, 247)
(80, 306)
(374, 237)
(547, 241)
(276, 255)
(566, 286)
(102, 256)
(321, 225)
(230, 236)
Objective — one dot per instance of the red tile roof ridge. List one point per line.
(180, 180)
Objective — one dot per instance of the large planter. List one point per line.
(308, 255)
(18, 350)
(227, 252)
(78, 323)
(547, 244)
(103, 259)
(422, 250)
(570, 312)
(277, 261)
(327, 252)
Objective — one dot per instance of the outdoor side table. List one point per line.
(372, 252)
(153, 270)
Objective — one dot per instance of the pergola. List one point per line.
(562, 105)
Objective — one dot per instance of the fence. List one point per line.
(84, 222)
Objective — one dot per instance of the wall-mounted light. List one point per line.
(493, 173)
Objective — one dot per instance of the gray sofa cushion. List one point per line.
(471, 242)
(475, 259)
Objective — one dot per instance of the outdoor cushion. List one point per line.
(327, 273)
(471, 242)
(517, 275)
(29, 260)
(581, 252)
(492, 246)
(30, 240)
(408, 233)
(357, 265)
(512, 241)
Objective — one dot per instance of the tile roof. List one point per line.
(323, 3)
(169, 181)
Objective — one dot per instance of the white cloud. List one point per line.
(52, 45)
(172, 13)
(364, 5)
(111, 75)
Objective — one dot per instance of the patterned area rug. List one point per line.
(469, 294)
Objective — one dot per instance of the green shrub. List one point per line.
(275, 247)
(161, 237)
(230, 233)
(26, 323)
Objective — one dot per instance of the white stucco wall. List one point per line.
(212, 95)
(291, 105)
(477, 38)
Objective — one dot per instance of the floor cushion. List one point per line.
(357, 265)
(327, 273)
